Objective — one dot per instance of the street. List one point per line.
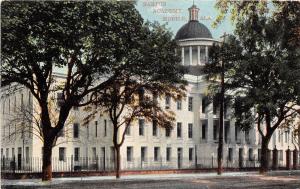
(276, 180)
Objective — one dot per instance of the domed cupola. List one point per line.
(193, 29)
(194, 41)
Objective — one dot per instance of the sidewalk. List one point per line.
(38, 182)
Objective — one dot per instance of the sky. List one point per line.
(175, 14)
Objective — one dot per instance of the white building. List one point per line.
(192, 143)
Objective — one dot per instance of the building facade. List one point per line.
(192, 143)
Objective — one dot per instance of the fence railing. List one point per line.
(71, 164)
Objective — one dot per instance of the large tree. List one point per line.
(155, 72)
(217, 73)
(87, 40)
(262, 65)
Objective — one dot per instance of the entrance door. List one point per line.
(103, 157)
(179, 157)
(19, 158)
(241, 157)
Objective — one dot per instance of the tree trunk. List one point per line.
(220, 147)
(264, 160)
(47, 155)
(221, 126)
(117, 169)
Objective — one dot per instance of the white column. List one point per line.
(206, 53)
(191, 56)
(198, 47)
(182, 55)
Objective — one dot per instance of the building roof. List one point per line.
(193, 29)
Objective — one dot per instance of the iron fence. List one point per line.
(71, 164)
(85, 164)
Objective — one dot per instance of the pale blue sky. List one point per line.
(206, 9)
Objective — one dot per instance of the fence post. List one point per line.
(288, 159)
(275, 158)
(227, 162)
(14, 165)
(196, 163)
(104, 163)
(295, 158)
(97, 166)
(72, 163)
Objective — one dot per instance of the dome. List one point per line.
(193, 29)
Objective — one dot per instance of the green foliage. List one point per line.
(262, 65)
(155, 73)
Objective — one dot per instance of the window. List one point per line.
(103, 152)
(215, 129)
(202, 54)
(250, 153)
(168, 131)
(286, 136)
(280, 155)
(204, 131)
(155, 97)
(204, 101)
(129, 153)
(76, 154)
(143, 153)
(259, 154)
(61, 133)
(190, 130)
(76, 130)
(96, 128)
(247, 138)
(59, 99)
(168, 155)
(225, 110)
(154, 127)
(237, 132)
(141, 127)
(105, 127)
(191, 154)
(9, 105)
(7, 152)
(179, 104)
(168, 101)
(227, 131)
(3, 106)
(141, 95)
(186, 56)
(9, 131)
(61, 154)
(26, 154)
(179, 129)
(15, 103)
(112, 153)
(22, 101)
(215, 105)
(128, 130)
(13, 152)
(156, 153)
(230, 154)
(190, 102)
(94, 153)
(194, 55)
(87, 130)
